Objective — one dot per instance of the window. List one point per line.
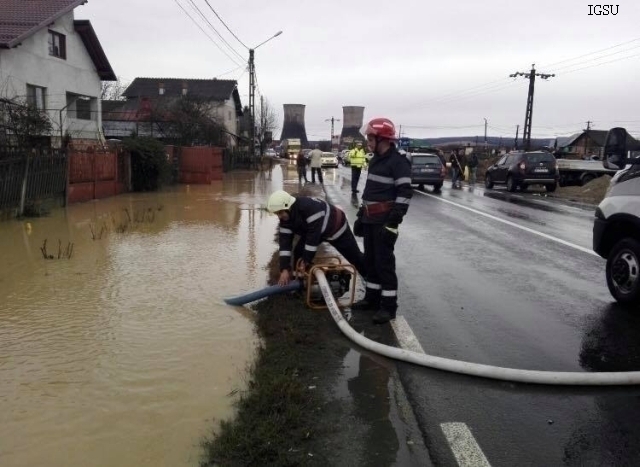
(83, 109)
(426, 160)
(35, 96)
(57, 45)
(537, 157)
(79, 106)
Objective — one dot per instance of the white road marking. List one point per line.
(406, 338)
(513, 224)
(464, 445)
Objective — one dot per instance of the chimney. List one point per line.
(352, 118)
(293, 126)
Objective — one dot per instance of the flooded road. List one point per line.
(125, 354)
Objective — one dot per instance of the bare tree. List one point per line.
(25, 124)
(112, 90)
(188, 121)
(266, 124)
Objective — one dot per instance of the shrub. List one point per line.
(150, 168)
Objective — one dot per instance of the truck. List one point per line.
(291, 147)
(580, 172)
(616, 227)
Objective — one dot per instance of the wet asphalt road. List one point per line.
(510, 280)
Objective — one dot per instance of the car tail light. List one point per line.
(522, 166)
(443, 171)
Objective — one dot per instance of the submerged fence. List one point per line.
(28, 176)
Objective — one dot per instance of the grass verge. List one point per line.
(278, 417)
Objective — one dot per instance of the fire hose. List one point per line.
(566, 378)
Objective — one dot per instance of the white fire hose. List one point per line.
(618, 378)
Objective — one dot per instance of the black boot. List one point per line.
(383, 316)
(365, 305)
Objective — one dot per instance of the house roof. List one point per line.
(597, 136)
(23, 18)
(211, 89)
(92, 44)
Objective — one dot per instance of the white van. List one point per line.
(616, 229)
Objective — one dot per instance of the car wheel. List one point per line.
(511, 184)
(488, 183)
(586, 178)
(551, 187)
(623, 271)
(437, 187)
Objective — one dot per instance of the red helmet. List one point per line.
(381, 128)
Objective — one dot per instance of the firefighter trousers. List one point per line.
(380, 263)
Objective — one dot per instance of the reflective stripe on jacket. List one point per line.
(312, 218)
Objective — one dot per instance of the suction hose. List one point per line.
(473, 369)
(263, 293)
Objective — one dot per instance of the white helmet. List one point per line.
(279, 201)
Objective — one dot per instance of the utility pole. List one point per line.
(252, 97)
(531, 75)
(586, 139)
(515, 141)
(332, 120)
(485, 136)
(252, 106)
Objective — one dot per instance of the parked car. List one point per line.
(521, 169)
(616, 227)
(427, 169)
(329, 159)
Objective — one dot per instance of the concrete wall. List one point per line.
(226, 113)
(30, 63)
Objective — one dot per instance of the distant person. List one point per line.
(316, 164)
(357, 159)
(456, 170)
(473, 168)
(301, 163)
(315, 221)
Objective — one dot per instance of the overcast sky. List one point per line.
(436, 68)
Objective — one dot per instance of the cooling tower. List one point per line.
(352, 117)
(293, 126)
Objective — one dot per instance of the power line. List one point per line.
(590, 53)
(225, 25)
(595, 59)
(205, 33)
(603, 63)
(202, 15)
(230, 71)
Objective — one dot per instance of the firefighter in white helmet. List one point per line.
(315, 221)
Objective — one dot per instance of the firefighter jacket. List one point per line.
(357, 158)
(315, 221)
(388, 192)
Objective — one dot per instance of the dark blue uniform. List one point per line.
(385, 202)
(316, 221)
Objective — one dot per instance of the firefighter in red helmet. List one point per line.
(385, 202)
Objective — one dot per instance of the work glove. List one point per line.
(358, 229)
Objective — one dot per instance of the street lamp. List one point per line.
(332, 120)
(71, 102)
(252, 94)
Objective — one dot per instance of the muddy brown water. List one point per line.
(125, 354)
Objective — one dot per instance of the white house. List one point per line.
(55, 63)
(121, 118)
